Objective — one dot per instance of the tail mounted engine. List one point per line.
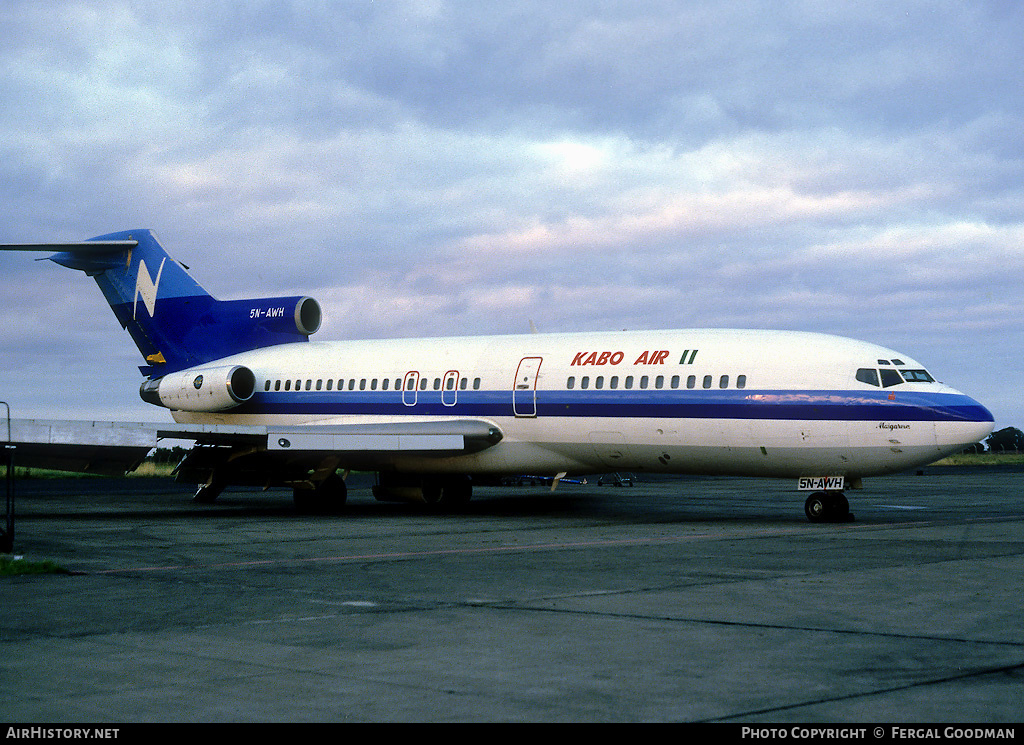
(289, 316)
(206, 389)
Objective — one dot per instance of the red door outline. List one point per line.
(450, 388)
(524, 387)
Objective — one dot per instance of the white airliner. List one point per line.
(432, 416)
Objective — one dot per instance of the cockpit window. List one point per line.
(887, 377)
(917, 376)
(868, 375)
(890, 377)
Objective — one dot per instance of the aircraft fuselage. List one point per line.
(732, 402)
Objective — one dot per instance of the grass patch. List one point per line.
(982, 459)
(148, 469)
(22, 472)
(12, 567)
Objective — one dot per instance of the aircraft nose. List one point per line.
(969, 422)
(976, 432)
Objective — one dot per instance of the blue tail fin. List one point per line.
(175, 323)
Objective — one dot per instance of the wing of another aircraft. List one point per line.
(109, 448)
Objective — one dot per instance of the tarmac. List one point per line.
(674, 600)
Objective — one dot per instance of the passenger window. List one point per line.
(277, 385)
(643, 382)
(675, 381)
(599, 382)
(691, 381)
(868, 375)
(659, 382)
(570, 383)
(629, 382)
(266, 386)
(707, 381)
(890, 377)
(723, 382)
(584, 382)
(476, 384)
(741, 381)
(614, 382)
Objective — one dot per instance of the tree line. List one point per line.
(1006, 440)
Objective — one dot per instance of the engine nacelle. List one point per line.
(277, 315)
(207, 389)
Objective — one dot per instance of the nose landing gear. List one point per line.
(828, 507)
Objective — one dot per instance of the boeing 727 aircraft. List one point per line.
(266, 406)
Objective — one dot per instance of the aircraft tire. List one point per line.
(331, 494)
(433, 490)
(840, 507)
(816, 507)
(334, 490)
(830, 507)
(457, 491)
(448, 492)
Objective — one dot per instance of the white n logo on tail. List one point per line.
(147, 287)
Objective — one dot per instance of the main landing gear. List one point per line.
(450, 492)
(828, 507)
(327, 496)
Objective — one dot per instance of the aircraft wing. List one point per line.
(443, 437)
(117, 447)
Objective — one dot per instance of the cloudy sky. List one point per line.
(441, 168)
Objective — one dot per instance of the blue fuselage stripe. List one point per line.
(654, 404)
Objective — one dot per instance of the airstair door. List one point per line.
(524, 389)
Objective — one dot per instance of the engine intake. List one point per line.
(207, 389)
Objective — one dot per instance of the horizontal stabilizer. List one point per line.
(175, 323)
(79, 247)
